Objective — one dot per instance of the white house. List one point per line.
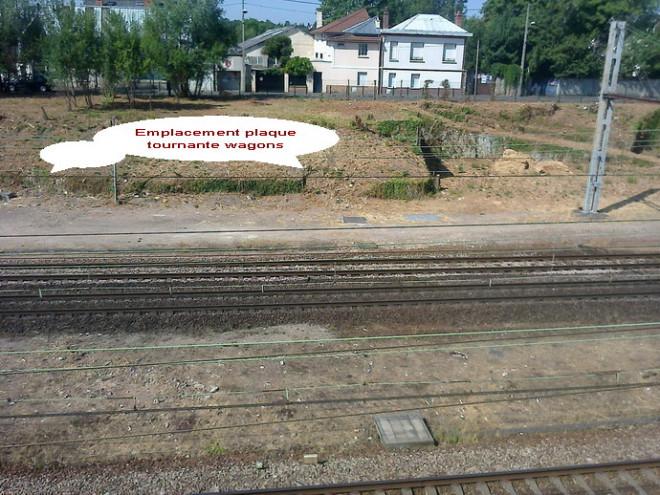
(424, 51)
(347, 51)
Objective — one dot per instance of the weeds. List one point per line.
(403, 189)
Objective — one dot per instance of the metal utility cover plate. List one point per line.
(422, 217)
(402, 430)
(354, 220)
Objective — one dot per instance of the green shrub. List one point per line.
(647, 132)
(403, 189)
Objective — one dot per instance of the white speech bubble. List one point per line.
(210, 139)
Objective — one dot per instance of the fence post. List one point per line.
(348, 89)
(115, 186)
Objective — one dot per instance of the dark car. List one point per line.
(29, 85)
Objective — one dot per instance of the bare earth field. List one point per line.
(166, 410)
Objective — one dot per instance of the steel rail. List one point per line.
(480, 482)
(272, 290)
(254, 306)
(362, 259)
(308, 273)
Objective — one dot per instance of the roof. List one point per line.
(262, 38)
(427, 24)
(370, 27)
(344, 23)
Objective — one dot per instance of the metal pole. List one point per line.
(605, 113)
(115, 186)
(522, 60)
(243, 11)
(476, 70)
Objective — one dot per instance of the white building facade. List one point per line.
(425, 51)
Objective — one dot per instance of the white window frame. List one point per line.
(447, 47)
(361, 78)
(394, 51)
(391, 80)
(416, 52)
(415, 78)
(363, 47)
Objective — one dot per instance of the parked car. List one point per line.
(29, 85)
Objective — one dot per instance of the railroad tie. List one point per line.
(602, 477)
(429, 490)
(651, 476)
(582, 483)
(406, 491)
(531, 483)
(625, 476)
(483, 489)
(508, 487)
(457, 489)
(559, 485)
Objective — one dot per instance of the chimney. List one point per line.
(319, 18)
(458, 18)
(385, 23)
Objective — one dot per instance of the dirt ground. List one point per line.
(296, 388)
(245, 398)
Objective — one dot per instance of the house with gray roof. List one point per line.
(426, 50)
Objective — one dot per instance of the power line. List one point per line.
(312, 420)
(633, 326)
(362, 353)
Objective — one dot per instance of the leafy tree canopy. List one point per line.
(565, 39)
(279, 48)
(399, 10)
(298, 66)
(183, 38)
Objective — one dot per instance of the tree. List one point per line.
(183, 38)
(21, 35)
(279, 48)
(73, 48)
(298, 66)
(399, 10)
(566, 39)
(122, 57)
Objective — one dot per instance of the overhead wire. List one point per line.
(334, 417)
(368, 338)
(280, 356)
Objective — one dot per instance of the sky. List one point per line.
(295, 11)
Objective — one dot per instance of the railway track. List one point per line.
(299, 284)
(622, 478)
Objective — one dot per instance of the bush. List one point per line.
(403, 189)
(647, 132)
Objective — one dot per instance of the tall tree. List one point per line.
(565, 39)
(122, 58)
(21, 35)
(72, 48)
(184, 38)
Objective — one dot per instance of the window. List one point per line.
(391, 80)
(362, 49)
(414, 81)
(417, 52)
(449, 53)
(362, 78)
(394, 51)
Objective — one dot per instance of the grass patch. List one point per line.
(456, 114)
(403, 189)
(202, 186)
